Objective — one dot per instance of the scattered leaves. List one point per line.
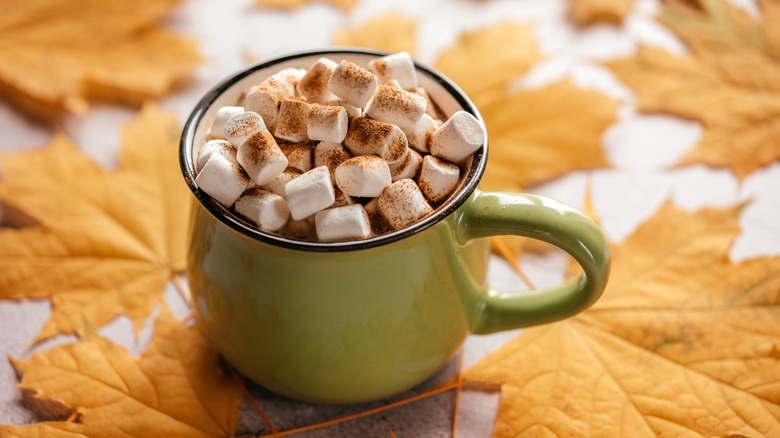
(730, 82)
(683, 342)
(289, 5)
(50, 64)
(586, 12)
(392, 32)
(175, 388)
(107, 242)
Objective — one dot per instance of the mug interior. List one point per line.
(442, 91)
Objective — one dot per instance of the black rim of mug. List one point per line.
(241, 225)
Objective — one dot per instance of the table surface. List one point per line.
(640, 147)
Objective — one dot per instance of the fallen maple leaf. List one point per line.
(289, 5)
(585, 12)
(108, 242)
(175, 388)
(683, 342)
(392, 32)
(56, 53)
(730, 82)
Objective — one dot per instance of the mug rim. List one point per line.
(242, 226)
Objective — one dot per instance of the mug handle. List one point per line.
(496, 213)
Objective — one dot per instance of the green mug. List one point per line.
(349, 322)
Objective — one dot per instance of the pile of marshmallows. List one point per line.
(277, 158)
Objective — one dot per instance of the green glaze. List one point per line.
(358, 325)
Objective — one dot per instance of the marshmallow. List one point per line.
(267, 210)
(222, 147)
(432, 109)
(327, 123)
(372, 206)
(352, 83)
(277, 185)
(398, 66)
(313, 86)
(298, 155)
(352, 111)
(261, 158)
(291, 125)
(342, 223)
(265, 98)
(330, 155)
(393, 83)
(309, 193)
(240, 126)
(458, 137)
(438, 179)
(399, 107)
(342, 199)
(363, 176)
(222, 116)
(402, 204)
(408, 167)
(420, 135)
(367, 136)
(222, 180)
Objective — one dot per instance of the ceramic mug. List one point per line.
(354, 321)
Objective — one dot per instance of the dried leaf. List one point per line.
(586, 12)
(56, 53)
(683, 342)
(392, 32)
(175, 388)
(108, 241)
(289, 5)
(730, 83)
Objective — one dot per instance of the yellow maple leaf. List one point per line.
(585, 12)
(289, 5)
(392, 32)
(730, 83)
(175, 388)
(56, 53)
(108, 242)
(683, 342)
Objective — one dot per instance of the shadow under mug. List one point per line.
(348, 322)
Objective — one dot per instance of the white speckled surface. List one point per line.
(639, 147)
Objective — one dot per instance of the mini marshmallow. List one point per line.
(292, 122)
(402, 204)
(265, 98)
(438, 179)
(458, 137)
(222, 147)
(367, 136)
(298, 155)
(267, 210)
(363, 176)
(420, 136)
(240, 126)
(432, 109)
(261, 158)
(352, 111)
(408, 167)
(393, 83)
(399, 107)
(330, 155)
(327, 123)
(372, 206)
(222, 180)
(222, 116)
(352, 83)
(313, 86)
(277, 185)
(309, 193)
(342, 223)
(398, 66)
